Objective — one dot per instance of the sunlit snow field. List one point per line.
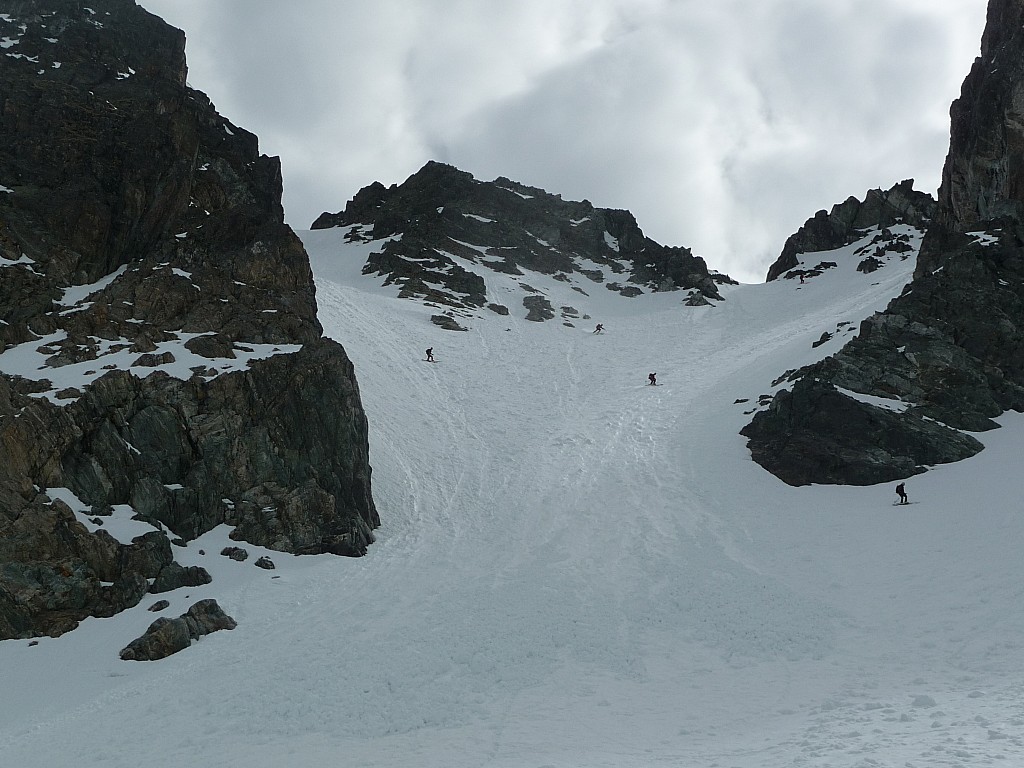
(577, 570)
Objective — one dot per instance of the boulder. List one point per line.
(447, 322)
(238, 554)
(538, 308)
(173, 576)
(168, 636)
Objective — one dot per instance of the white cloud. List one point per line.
(721, 126)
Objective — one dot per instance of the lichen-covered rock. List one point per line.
(53, 572)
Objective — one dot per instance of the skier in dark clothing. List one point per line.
(599, 328)
(430, 355)
(653, 378)
(902, 493)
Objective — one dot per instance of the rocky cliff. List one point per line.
(161, 352)
(847, 222)
(983, 178)
(439, 228)
(950, 350)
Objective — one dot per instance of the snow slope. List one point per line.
(577, 569)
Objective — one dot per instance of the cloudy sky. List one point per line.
(722, 125)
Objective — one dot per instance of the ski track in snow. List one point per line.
(577, 569)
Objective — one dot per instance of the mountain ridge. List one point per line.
(844, 223)
(441, 212)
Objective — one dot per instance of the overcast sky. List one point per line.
(721, 124)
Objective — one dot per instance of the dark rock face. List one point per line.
(847, 222)
(951, 346)
(441, 212)
(167, 636)
(173, 575)
(159, 325)
(816, 434)
(52, 569)
(983, 178)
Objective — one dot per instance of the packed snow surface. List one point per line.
(578, 570)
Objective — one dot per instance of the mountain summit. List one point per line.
(442, 232)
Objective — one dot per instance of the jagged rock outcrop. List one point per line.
(167, 636)
(951, 347)
(817, 434)
(847, 222)
(160, 346)
(441, 215)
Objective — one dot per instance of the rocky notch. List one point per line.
(437, 234)
(948, 352)
(161, 353)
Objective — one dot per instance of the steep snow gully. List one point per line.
(578, 569)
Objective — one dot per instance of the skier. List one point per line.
(430, 355)
(653, 378)
(902, 493)
(599, 328)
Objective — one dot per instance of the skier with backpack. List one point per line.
(901, 491)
